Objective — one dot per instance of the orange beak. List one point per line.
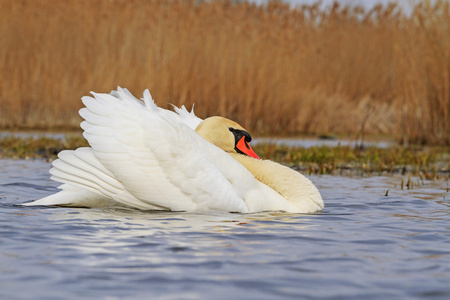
(245, 148)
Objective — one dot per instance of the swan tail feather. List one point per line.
(74, 197)
(88, 183)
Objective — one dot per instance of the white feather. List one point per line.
(188, 118)
(148, 100)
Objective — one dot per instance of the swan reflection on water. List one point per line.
(133, 221)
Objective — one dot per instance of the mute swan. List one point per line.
(149, 158)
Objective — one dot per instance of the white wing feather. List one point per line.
(71, 195)
(151, 158)
(160, 160)
(81, 171)
(188, 118)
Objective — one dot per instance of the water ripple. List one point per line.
(363, 245)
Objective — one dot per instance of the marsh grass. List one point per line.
(274, 69)
(41, 147)
(424, 162)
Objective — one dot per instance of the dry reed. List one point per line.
(274, 69)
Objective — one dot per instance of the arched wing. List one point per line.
(158, 159)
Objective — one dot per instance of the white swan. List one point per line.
(150, 158)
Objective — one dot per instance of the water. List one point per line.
(35, 134)
(310, 142)
(363, 245)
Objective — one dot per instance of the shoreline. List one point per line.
(428, 162)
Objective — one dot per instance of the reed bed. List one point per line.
(274, 69)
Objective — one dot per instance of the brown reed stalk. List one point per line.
(274, 69)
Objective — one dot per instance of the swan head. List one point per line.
(227, 135)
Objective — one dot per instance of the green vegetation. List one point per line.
(41, 147)
(426, 162)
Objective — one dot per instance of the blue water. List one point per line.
(311, 142)
(363, 245)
